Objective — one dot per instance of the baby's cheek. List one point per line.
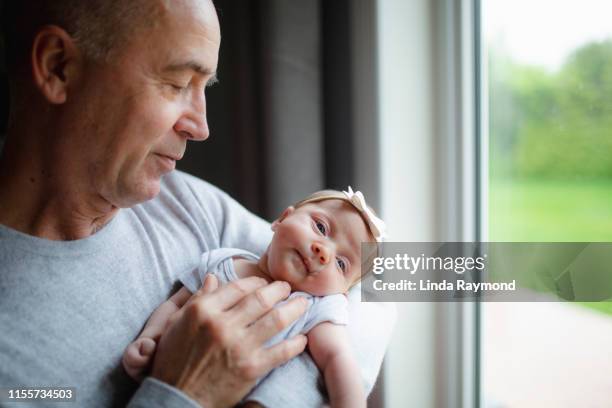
(326, 284)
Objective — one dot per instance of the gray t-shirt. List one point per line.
(69, 308)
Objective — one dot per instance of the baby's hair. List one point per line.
(323, 195)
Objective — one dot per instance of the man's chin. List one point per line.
(139, 193)
(151, 189)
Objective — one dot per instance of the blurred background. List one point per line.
(548, 86)
(460, 120)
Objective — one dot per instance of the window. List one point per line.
(548, 93)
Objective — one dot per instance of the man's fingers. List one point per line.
(258, 303)
(227, 296)
(282, 352)
(276, 320)
(222, 298)
(211, 283)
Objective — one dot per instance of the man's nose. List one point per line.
(322, 253)
(193, 124)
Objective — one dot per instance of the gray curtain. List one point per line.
(280, 115)
(292, 109)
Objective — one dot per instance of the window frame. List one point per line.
(464, 169)
(429, 62)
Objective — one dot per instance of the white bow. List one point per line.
(376, 225)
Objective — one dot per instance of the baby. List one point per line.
(316, 249)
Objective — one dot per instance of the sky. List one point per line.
(544, 32)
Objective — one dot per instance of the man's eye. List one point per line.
(178, 88)
(341, 264)
(321, 227)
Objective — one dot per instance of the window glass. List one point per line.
(549, 84)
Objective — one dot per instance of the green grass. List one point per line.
(552, 211)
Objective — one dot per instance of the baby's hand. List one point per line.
(138, 357)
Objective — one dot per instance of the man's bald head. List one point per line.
(98, 26)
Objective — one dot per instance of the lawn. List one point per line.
(552, 211)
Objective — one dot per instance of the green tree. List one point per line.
(553, 125)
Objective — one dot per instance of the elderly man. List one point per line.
(104, 97)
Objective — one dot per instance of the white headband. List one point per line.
(376, 225)
(355, 198)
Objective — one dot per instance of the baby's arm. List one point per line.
(330, 349)
(138, 356)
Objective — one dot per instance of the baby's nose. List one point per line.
(321, 252)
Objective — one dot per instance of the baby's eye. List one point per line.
(341, 264)
(321, 227)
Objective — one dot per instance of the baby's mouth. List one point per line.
(305, 262)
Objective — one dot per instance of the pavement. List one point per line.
(544, 355)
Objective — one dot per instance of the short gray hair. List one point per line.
(98, 26)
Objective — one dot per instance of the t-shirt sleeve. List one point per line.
(156, 394)
(194, 279)
(218, 262)
(333, 309)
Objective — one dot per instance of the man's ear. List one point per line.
(288, 211)
(54, 62)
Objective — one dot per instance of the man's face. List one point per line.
(134, 114)
(316, 248)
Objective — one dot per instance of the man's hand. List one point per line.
(213, 347)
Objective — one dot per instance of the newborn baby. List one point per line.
(316, 249)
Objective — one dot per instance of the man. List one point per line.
(104, 97)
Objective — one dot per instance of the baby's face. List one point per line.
(316, 247)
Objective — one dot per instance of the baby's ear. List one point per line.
(288, 211)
